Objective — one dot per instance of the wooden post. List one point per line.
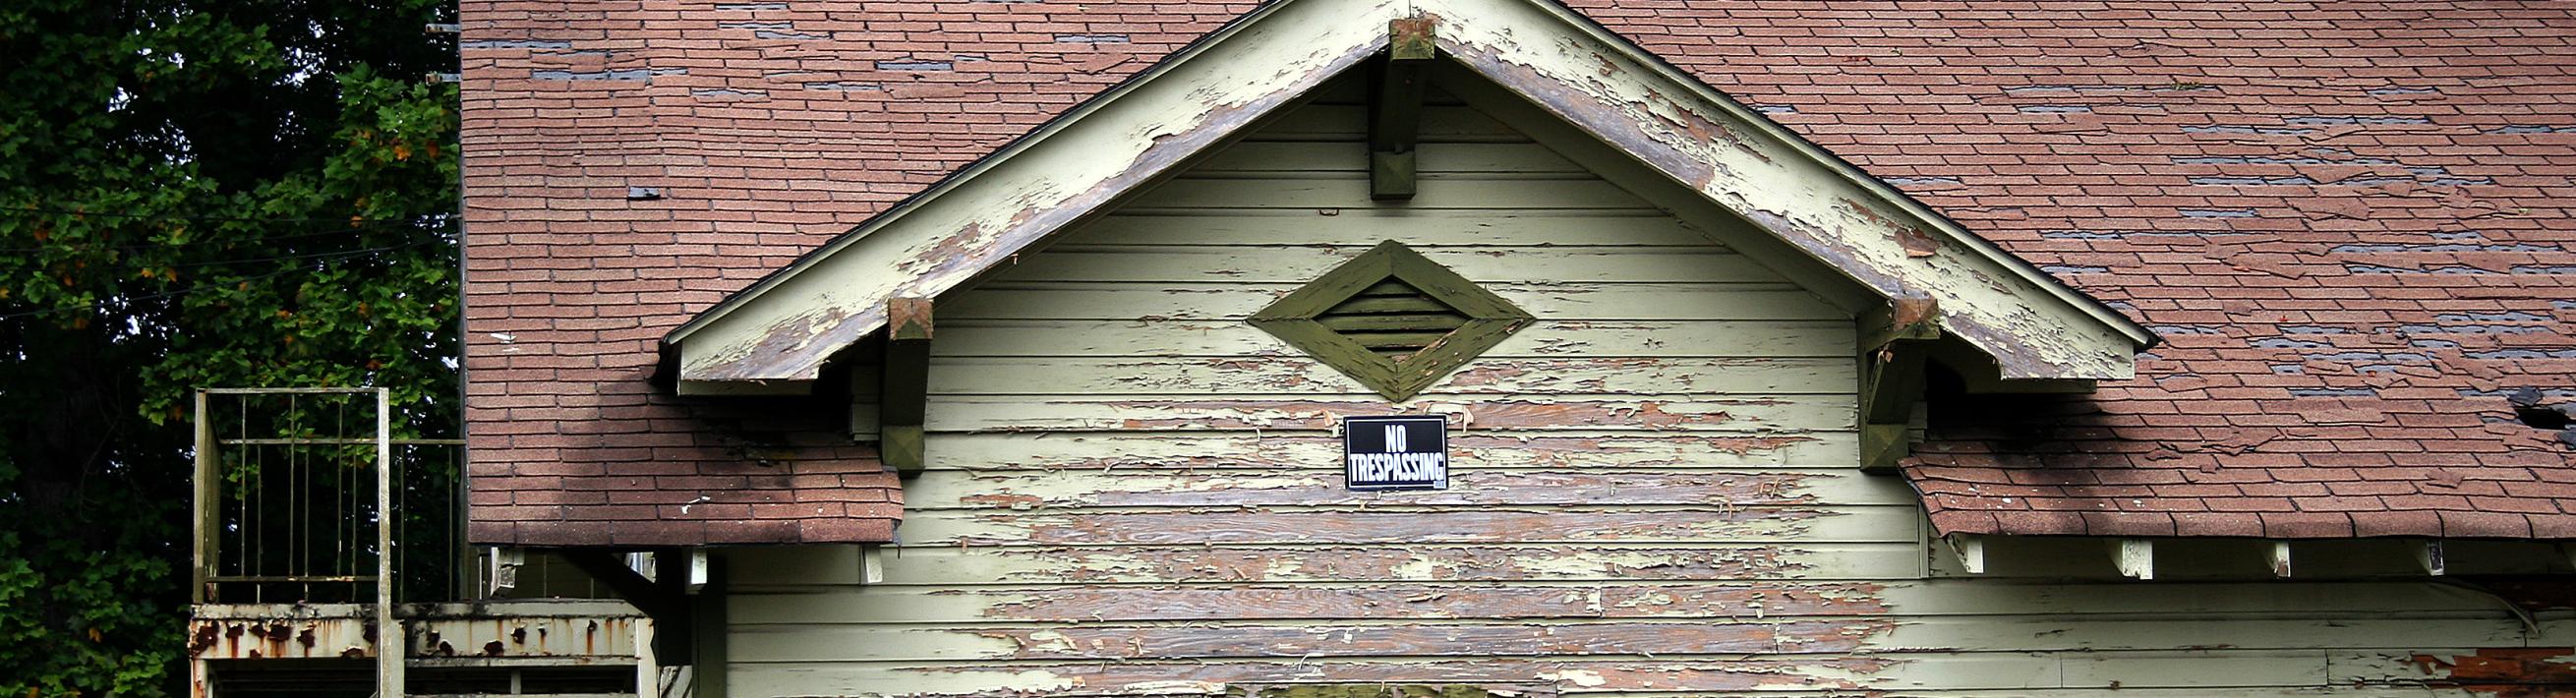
(1892, 347)
(205, 555)
(390, 642)
(904, 392)
(1395, 107)
(707, 613)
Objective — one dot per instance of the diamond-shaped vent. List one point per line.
(1392, 320)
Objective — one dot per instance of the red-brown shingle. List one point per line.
(2347, 219)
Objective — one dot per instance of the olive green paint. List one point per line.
(1490, 319)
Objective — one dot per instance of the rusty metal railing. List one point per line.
(300, 490)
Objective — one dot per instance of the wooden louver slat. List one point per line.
(1393, 319)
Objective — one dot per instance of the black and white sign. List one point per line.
(1396, 453)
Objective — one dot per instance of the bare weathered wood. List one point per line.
(1393, 525)
(1779, 416)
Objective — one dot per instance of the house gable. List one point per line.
(778, 335)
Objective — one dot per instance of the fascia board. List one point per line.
(2034, 326)
(786, 326)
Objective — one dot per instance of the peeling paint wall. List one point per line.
(1131, 490)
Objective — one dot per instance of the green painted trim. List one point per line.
(1490, 319)
(903, 398)
(1395, 107)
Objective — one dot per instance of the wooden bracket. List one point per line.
(2428, 555)
(1893, 342)
(1395, 107)
(904, 391)
(2136, 558)
(2281, 559)
(665, 604)
(1971, 551)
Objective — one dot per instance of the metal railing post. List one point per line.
(390, 643)
(205, 554)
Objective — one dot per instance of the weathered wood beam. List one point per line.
(665, 607)
(904, 388)
(1395, 107)
(1893, 343)
(2135, 557)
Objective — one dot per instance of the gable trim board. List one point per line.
(780, 332)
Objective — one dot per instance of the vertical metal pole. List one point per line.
(390, 643)
(204, 554)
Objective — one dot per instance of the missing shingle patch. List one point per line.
(2534, 409)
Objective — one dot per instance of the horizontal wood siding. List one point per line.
(1132, 490)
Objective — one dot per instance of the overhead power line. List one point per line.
(225, 219)
(96, 304)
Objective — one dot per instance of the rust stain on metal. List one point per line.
(2506, 672)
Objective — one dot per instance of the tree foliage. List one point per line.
(196, 193)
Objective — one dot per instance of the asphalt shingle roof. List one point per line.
(2348, 221)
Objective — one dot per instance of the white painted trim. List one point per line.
(786, 326)
(2135, 557)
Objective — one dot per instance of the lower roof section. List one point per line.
(2086, 465)
(665, 471)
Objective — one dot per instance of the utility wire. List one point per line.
(97, 304)
(226, 219)
(374, 226)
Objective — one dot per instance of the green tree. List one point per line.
(196, 193)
